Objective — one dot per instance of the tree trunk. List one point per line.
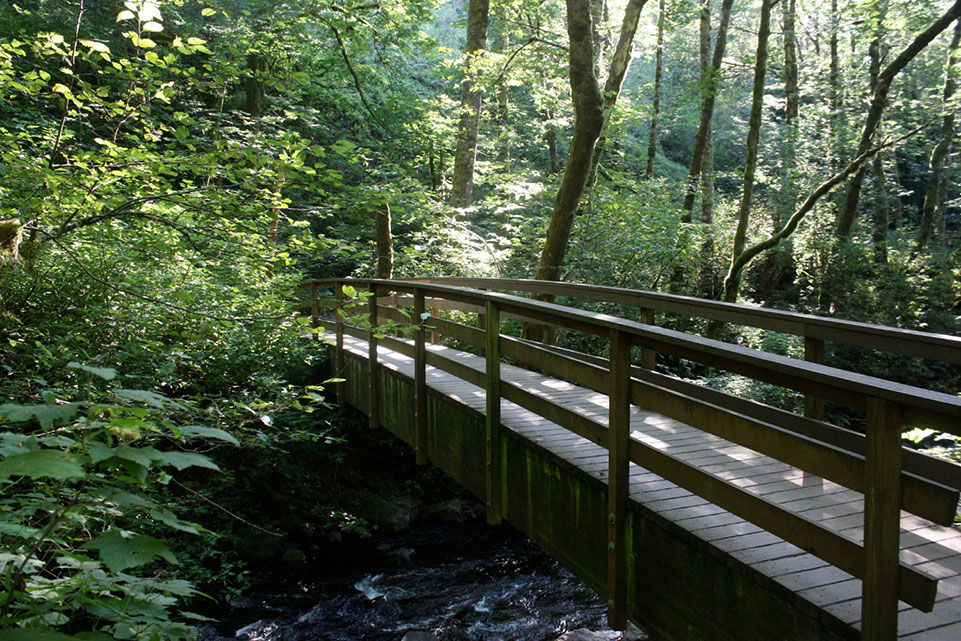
(879, 216)
(620, 62)
(588, 122)
(503, 98)
(462, 184)
(941, 150)
(553, 164)
(708, 279)
(590, 113)
(254, 85)
(834, 88)
(879, 99)
(708, 98)
(792, 95)
(656, 106)
(753, 137)
(385, 243)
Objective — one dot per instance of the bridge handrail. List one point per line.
(928, 345)
(887, 404)
(921, 406)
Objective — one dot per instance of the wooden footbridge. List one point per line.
(699, 514)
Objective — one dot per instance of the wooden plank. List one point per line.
(618, 481)
(420, 381)
(492, 421)
(882, 519)
(576, 423)
(916, 588)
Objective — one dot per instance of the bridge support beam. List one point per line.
(339, 364)
(373, 389)
(813, 353)
(492, 323)
(618, 478)
(420, 381)
(882, 520)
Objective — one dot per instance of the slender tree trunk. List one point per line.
(834, 88)
(708, 99)
(879, 215)
(658, 76)
(941, 150)
(792, 95)
(708, 277)
(503, 98)
(588, 122)
(553, 164)
(753, 137)
(462, 184)
(620, 62)
(879, 99)
(590, 113)
(254, 85)
(385, 243)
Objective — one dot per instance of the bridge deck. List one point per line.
(933, 548)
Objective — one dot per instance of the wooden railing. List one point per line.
(871, 464)
(815, 330)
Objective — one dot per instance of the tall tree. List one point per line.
(879, 99)
(656, 104)
(591, 111)
(753, 138)
(932, 194)
(708, 100)
(462, 182)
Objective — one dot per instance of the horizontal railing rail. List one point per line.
(875, 470)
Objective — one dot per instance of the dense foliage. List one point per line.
(170, 170)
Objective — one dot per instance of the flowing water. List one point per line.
(457, 581)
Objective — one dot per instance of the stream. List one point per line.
(463, 581)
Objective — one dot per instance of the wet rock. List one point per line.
(583, 634)
(418, 635)
(452, 511)
(260, 546)
(293, 555)
(633, 633)
(388, 515)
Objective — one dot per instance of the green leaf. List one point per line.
(45, 414)
(125, 15)
(144, 396)
(207, 12)
(119, 553)
(33, 634)
(169, 518)
(201, 431)
(183, 460)
(152, 26)
(40, 464)
(106, 373)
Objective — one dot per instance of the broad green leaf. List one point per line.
(207, 12)
(45, 414)
(143, 396)
(93, 45)
(183, 460)
(41, 464)
(119, 553)
(106, 373)
(202, 431)
(169, 518)
(125, 15)
(152, 26)
(33, 634)
(18, 530)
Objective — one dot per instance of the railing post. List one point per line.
(493, 420)
(813, 353)
(648, 356)
(373, 404)
(420, 381)
(882, 516)
(339, 351)
(618, 479)
(434, 336)
(314, 310)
